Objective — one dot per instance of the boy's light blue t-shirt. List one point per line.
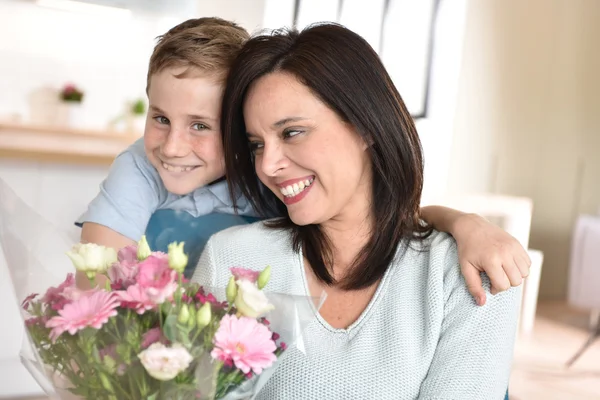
(133, 191)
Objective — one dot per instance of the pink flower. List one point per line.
(128, 253)
(36, 321)
(244, 274)
(245, 341)
(202, 298)
(69, 87)
(26, 303)
(92, 310)
(154, 335)
(53, 292)
(124, 272)
(57, 297)
(111, 351)
(157, 278)
(135, 297)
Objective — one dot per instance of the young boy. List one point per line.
(179, 163)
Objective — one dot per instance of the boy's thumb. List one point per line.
(474, 283)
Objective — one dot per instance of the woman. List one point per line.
(315, 116)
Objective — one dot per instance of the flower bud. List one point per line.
(204, 315)
(105, 382)
(231, 291)
(184, 314)
(263, 277)
(177, 258)
(143, 250)
(192, 320)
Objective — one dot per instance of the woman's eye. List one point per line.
(161, 120)
(199, 127)
(256, 146)
(291, 133)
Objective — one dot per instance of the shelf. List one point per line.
(62, 145)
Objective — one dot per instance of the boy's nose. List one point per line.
(176, 145)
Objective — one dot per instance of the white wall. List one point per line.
(249, 14)
(527, 122)
(106, 56)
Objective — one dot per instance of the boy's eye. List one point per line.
(162, 120)
(199, 126)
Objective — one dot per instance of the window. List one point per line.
(399, 30)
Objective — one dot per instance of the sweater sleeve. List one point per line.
(128, 196)
(474, 352)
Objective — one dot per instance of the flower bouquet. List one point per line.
(145, 332)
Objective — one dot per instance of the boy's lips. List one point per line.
(177, 168)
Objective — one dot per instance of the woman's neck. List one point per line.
(347, 235)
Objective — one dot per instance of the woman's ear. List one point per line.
(367, 141)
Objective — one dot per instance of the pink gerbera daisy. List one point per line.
(135, 297)
(88, 311)
(246, 342)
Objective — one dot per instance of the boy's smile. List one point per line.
(182, 136)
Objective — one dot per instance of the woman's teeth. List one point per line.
(296, 188)
(176, 168)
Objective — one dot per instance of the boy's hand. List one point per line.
(482, 246)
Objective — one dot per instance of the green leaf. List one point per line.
(170, 328)
(153, 396)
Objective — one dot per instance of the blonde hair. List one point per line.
(207, 44)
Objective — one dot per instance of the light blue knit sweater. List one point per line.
(421, 337)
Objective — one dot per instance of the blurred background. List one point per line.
(505, 94)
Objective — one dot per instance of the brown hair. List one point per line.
(342, 69)
(209, 44)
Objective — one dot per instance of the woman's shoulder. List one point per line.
(432, 260)
(438, 248)
(257, 235)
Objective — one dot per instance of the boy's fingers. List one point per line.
(498, 277)
(514, 274)
(474, 284)
(524, 264)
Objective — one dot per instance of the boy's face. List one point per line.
(183, 136)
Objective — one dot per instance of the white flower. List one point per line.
(251, 301)
(92, 258)
(164, 363)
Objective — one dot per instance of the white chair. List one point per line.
(513, 214)
(584, 274)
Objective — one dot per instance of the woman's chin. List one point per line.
(301, 219)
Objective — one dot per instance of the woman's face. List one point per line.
(312, 160)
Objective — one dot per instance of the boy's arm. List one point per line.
(102, 235)
(119, 214)
(482, 246)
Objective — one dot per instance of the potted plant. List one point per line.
(136, 116)
(72, 98)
